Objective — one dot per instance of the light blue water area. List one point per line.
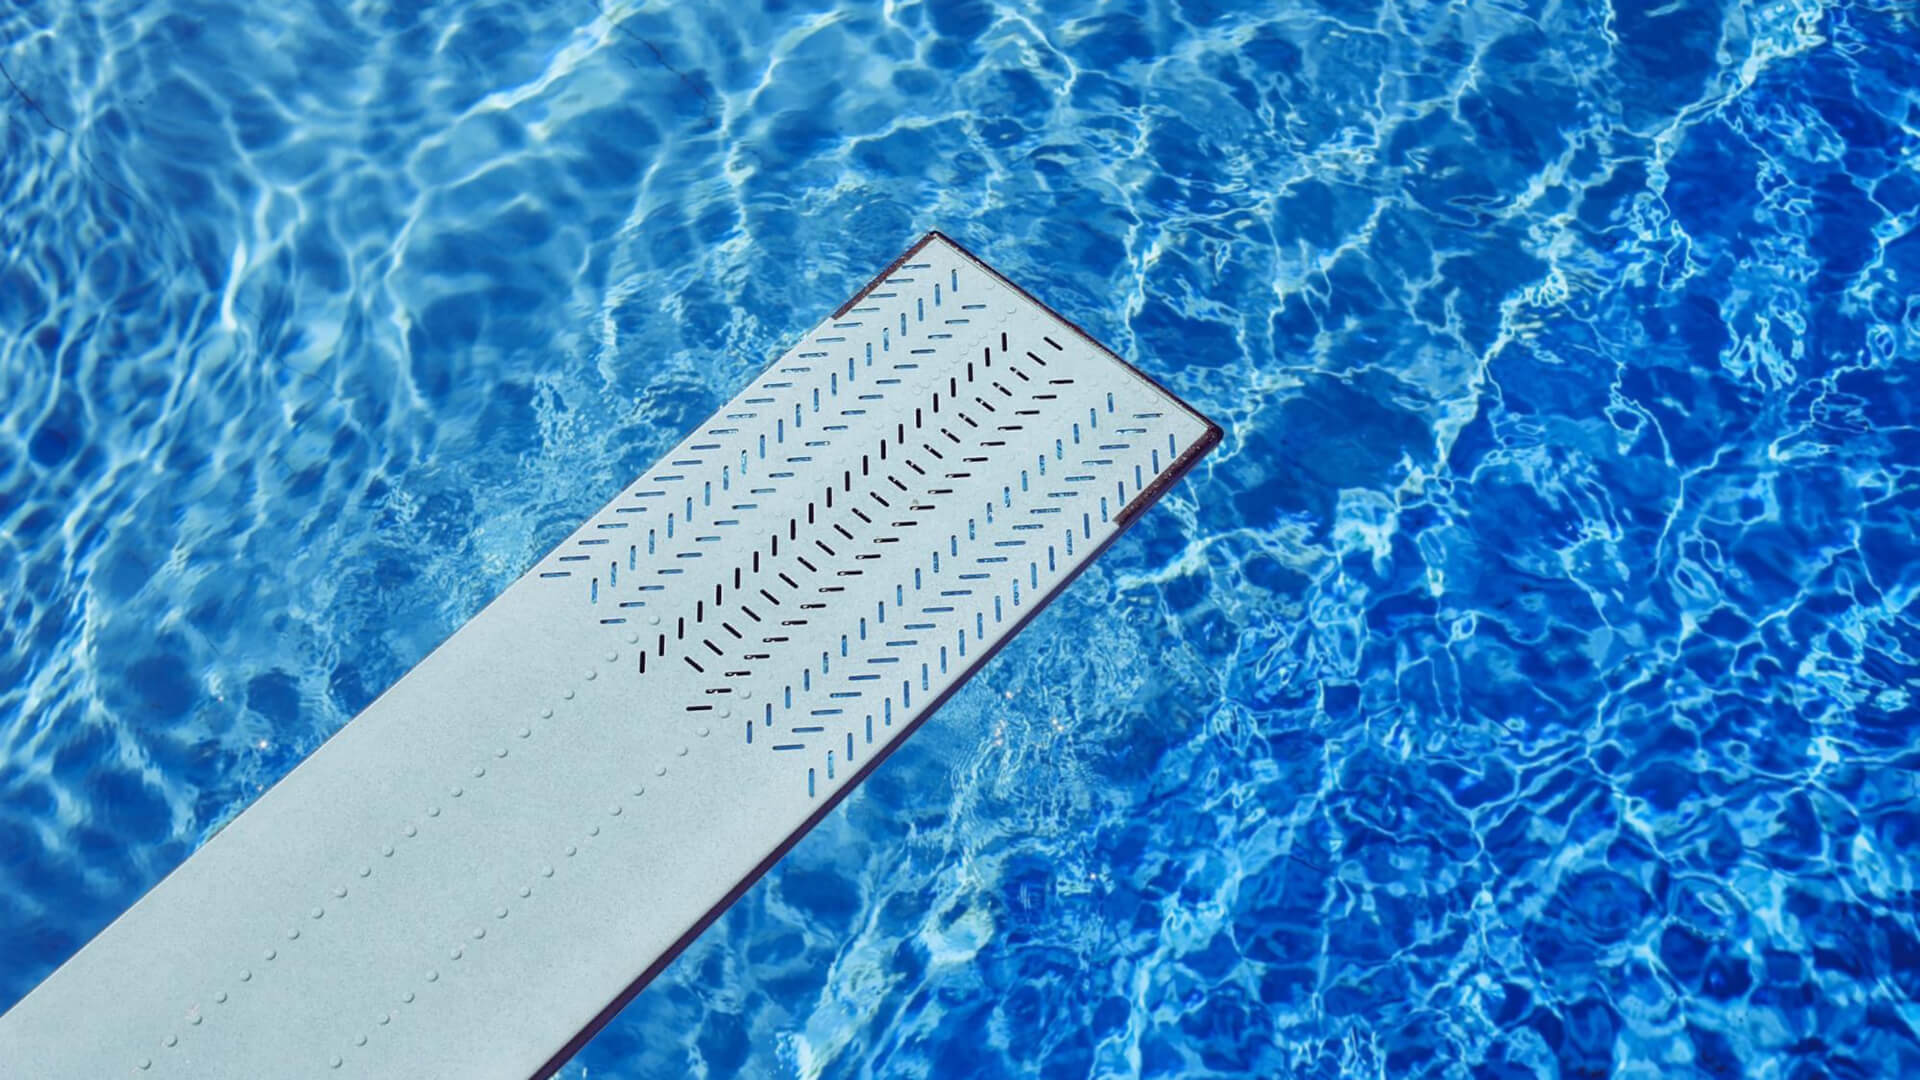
(1526, 688)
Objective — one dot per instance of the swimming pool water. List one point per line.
(1526, 688)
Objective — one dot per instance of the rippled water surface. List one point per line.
(1526, 688)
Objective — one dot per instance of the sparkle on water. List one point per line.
(1526, 688)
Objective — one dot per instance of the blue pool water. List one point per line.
(1526, 688)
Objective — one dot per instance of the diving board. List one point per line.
(498, 853)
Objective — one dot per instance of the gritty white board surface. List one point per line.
(515, 837)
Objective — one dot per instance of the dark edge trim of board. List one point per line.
(891, 267)
(1175, 472)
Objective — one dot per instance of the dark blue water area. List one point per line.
(1526, 687)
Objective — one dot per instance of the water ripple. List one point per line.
(1525, 689)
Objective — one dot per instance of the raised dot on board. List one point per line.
(639, 790)
(612, 656)
(593, 830)
(746, 695)
(385, 1019)
(524, 731)
(546, 714)
(569, 694)
(456, 791)
(683, 751)
(525, 892)
(653, 620)
(572, 851)
(633, 637)
(194, 1019)
(359, 1040)
(411, 831)
(293, 933)
(500, 913)
(546, 871)
(614, 810)
(499, 751)
(479, 771)
(146, 1063)
(333, 1062)
(592, 674)
(173, 1040)
(704, 732)
(246, 976)
(317, 912)
(220, 998)
(270, 954)
(659, 770)
(407, 997)
(725, 712)
(433, 811)
(366, 871)
(433, 976)
(386, 850)
(479, 932)
(339, 892)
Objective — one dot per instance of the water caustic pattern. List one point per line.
(1526, 688)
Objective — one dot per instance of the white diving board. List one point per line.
(479, 870)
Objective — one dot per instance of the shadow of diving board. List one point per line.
(479, 870)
